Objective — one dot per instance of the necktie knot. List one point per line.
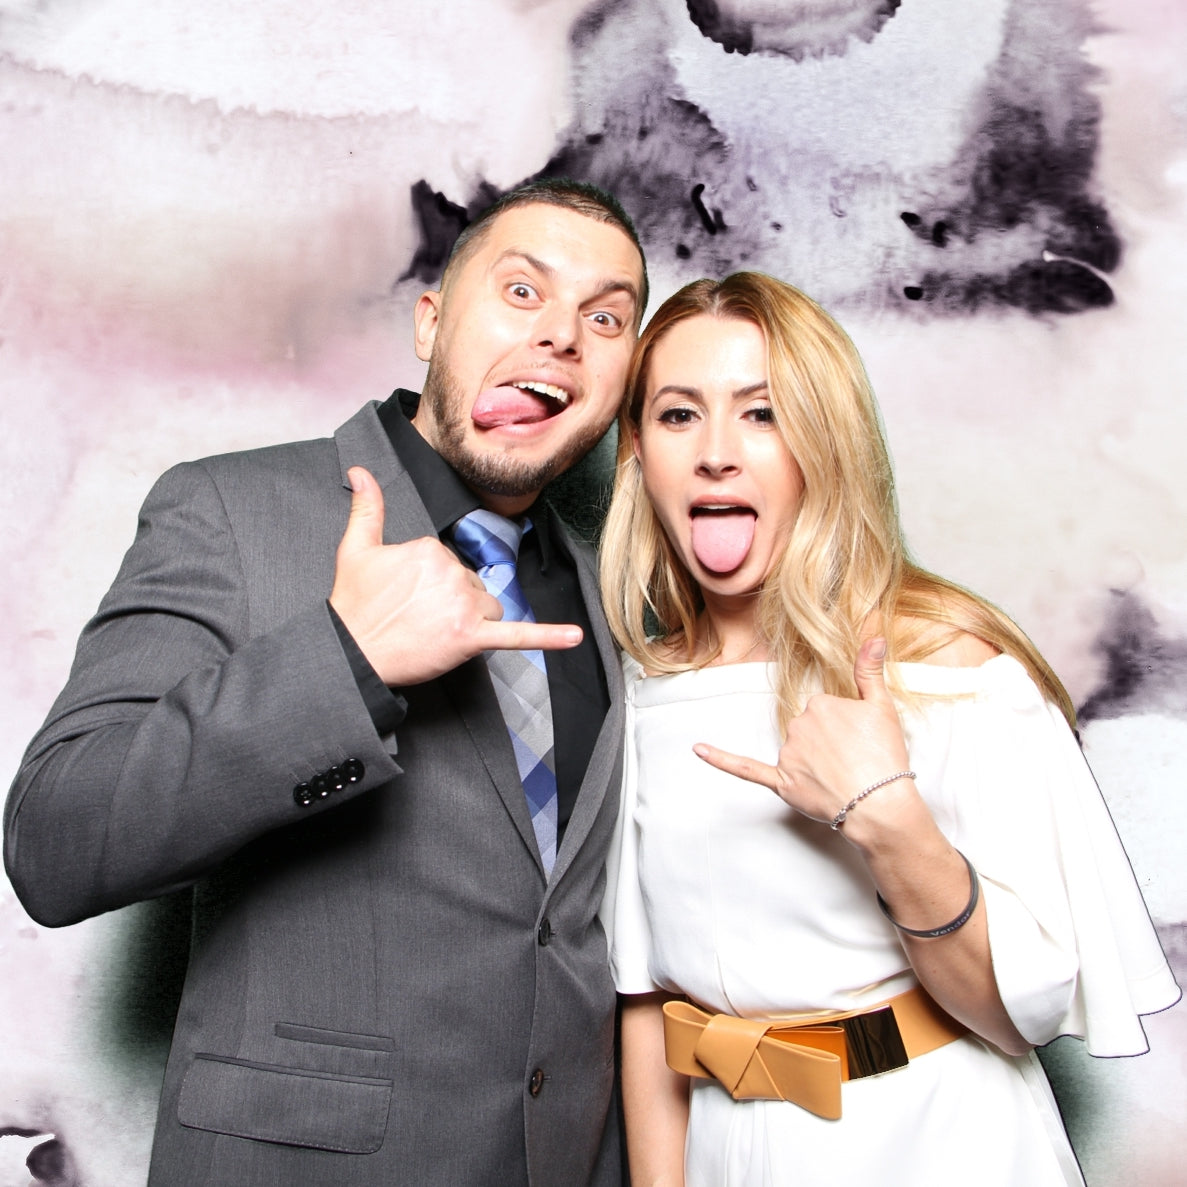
(485, 538)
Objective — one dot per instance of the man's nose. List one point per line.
(559, 329)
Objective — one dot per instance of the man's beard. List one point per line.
(495, 473)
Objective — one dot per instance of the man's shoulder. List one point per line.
(309, 459)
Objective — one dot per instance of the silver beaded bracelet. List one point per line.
(839, 818)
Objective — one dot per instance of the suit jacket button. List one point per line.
(303, 794)
(544, 934)
(536, 1082)
(353, 770)
(320, 786)
(337, 778)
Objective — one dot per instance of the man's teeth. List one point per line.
(546, 389)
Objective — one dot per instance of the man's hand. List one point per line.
(414, 609)
(834, 748)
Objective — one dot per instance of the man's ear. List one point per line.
(426, 318)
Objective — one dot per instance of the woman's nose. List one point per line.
(719, 449)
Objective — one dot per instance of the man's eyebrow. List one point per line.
(515, 253)
(604, 289)
(616, 285)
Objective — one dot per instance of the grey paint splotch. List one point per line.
(938, 167)
(1145, 669)
(44, 1156)
(794, 30)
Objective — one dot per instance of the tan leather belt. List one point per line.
(804, 1059)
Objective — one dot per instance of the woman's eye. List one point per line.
(763, 414)
(676, 416)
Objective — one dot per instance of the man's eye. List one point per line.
(523, 292)
(602, 318)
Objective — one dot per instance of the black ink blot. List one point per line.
(710, 220)
(440, 222)
(792, 34)
(1145, 670)
(50, 1163)
(1028, 169)
(1009, 220)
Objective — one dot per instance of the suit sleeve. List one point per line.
(182, 734)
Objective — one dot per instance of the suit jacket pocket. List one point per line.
(290, 1105)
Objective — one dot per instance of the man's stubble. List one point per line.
(497, 473)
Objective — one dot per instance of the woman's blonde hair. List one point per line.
(845, 560)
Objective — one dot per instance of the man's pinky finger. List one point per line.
(749, 769)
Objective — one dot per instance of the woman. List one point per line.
(970, 873)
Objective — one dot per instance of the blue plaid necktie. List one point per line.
(491, 544)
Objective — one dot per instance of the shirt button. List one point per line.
(536, 1082)
(544, 934)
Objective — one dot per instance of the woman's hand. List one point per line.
(834, 749)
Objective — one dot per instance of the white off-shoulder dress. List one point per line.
(718, 890)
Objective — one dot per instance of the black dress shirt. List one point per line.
(548, 575)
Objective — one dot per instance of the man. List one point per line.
(396, 973)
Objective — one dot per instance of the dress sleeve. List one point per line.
(623, 914)
(1074, 951)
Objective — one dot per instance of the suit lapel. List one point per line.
(473, 695)
(603, 760)
(363, 441)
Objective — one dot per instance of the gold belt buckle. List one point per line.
(873, 1043)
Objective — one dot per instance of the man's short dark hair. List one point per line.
(578, 196)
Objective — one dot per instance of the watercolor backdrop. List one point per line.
(214, 222)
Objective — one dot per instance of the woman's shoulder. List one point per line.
(938, 660)
(924, 641)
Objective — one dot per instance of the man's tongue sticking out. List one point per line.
(510, 406)
(721, 539)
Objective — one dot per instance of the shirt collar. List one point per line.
(445, 496)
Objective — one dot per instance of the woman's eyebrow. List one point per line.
(694, 392)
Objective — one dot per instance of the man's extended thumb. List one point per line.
(365, 526)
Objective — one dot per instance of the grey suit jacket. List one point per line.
(383, 987)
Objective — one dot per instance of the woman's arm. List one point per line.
(655, 1098)
(838, 746)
